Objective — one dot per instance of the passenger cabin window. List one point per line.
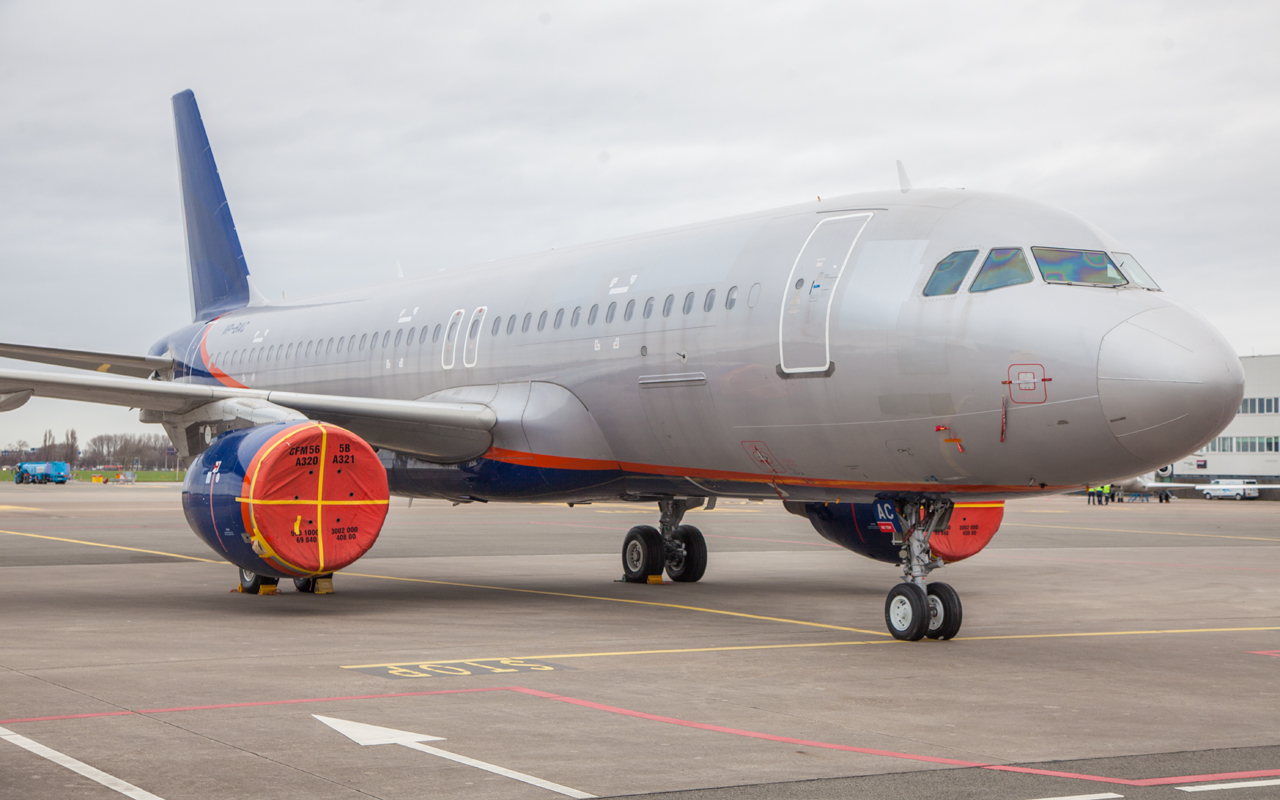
(475, 329)
(497, 325)
(688, 302)
(542, 320)
(386, 338)
(591, 315)
(1005, 266)
(271, 351)
(949, 273)
(668, 304)
(559, 319)
(648, 308)
(710, 302)
(528, 318)
(630, 312)
(408, 340)
(363, 338)
(731, 299)
(577, 316)
(341, 342)
(608, 315)
(422, 337)
(1085, 267)
(290, 353)
(309, 346)
(1130, 267)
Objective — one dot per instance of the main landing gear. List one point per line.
(914, 610)
(679, 549)
(253, 583)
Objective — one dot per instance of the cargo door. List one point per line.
(804, 329)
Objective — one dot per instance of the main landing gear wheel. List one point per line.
(644, 554)
(945, 612)
(906, 612)
(253, 583)
(687, 561)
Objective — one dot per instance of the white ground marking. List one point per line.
(93, 774)
(1103, 796)
(363, 734)
(1213, 787)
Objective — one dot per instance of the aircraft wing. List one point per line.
(114, 363)
(443, 432)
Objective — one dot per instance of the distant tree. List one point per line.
(48, 446)
(71, 447)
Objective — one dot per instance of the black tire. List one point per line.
(1239, 496)
(906, 612)
(1208, 496)
(945, 612)
(250, 582)
(643, 554)
(305, 585)
(689, 567)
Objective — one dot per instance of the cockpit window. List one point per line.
(1005, 266)
(949, 273)
(1130, 267)
(1089, 267)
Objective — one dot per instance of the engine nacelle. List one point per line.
(870, 528)
(287, 500)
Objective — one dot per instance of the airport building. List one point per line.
(1250, 446)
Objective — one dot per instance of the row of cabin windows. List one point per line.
(351, 345)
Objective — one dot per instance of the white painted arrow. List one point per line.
(64, 760)
(364, 734)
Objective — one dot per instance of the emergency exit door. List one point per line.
(804, 332)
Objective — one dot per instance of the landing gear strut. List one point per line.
(680, 549)
(914, 610)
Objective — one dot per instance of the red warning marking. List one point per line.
(1275, 653)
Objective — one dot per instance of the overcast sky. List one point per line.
(351, 136)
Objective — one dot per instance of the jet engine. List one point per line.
(870, 529)
(289, 499)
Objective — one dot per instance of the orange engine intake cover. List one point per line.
(316, 496)
(971, 527)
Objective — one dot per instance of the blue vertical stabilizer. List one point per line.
(219, 275)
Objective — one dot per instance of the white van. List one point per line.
(1239, 489)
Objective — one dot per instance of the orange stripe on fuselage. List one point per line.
(584, 464)
(222, 377)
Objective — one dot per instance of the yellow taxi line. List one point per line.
(560, 656)
(739, 614)
(114, 547)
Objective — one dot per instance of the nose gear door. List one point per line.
(804, 328)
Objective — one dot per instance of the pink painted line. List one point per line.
(749, 734)
(1264, 653)
(1221, 776)
(259, 703)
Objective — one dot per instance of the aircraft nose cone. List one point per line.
(1168, 383)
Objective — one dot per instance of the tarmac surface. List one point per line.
(1131, 650)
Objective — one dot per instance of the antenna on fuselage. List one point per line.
(903, 181)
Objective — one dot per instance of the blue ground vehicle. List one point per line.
(42, 472)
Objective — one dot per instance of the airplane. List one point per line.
(892, 366)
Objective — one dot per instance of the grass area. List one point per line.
(141, 476)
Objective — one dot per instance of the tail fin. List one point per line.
(217, 269)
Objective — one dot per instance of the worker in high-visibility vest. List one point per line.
(1106, 493)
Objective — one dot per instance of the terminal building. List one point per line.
(1250, 446)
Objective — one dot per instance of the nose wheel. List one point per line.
(915, 610)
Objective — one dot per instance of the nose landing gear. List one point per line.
(914, 609)
(680, 549)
